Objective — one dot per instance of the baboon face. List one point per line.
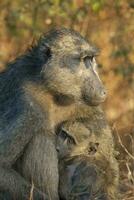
(64, 144)
(72, 140)
(71, 71)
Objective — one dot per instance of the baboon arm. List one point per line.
(13, 142)
(15, 137)
(12, 182)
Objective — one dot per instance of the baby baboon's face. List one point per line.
(72, 140)
(71, 72)
(64, 144)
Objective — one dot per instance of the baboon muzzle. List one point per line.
(94, 92)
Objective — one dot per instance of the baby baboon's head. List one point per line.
(72, 140)
(70, 72)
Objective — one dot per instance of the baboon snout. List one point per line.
(102, 94)
(93, 147)
(94, 92)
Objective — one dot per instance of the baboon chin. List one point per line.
(85, 170)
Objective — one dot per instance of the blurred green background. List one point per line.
(107, 23)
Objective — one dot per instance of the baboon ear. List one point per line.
(45, 53)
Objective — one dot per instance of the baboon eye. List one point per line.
(65, 136)
(71, 140)
(88, 60)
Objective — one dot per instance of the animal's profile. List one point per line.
(56, 80)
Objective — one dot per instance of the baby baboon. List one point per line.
(47, 85)
(86, 171)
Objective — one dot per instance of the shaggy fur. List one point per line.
(38, 91)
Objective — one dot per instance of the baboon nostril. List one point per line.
(93, 147)
(103, 94)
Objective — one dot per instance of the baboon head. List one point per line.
(71, 70)
(72, 140)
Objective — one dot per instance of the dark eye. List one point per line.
(71, 140)
(88, 60)
(65, 136)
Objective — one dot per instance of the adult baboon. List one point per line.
(47, 85)
(87, 165)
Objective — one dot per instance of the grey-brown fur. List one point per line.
(47, 85)
(87, 165)
(34, 160)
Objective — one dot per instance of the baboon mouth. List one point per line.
(97, 102)
(93, 102)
